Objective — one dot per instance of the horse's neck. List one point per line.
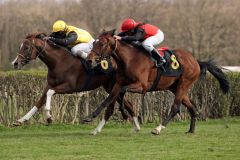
(54, 57)
(126, 53)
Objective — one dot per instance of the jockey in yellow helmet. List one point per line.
(79, 40)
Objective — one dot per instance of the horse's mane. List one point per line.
(36, 35)
(41, 35)
(111, 33)
(57, 46)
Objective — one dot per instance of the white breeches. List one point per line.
(82, 49)
(150, 42)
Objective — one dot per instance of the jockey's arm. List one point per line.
(70, 39)
(122, 34)
(57, 35)
(137, 36)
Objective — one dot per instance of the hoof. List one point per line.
(135, 130)
(17, 124)
(94, 133)
(189, 132)
(155, 132)
(124, 114)
(87, 119)
(49, 121)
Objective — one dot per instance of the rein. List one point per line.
(115, 48)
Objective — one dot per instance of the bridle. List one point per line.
(100, 56)
(27, 58)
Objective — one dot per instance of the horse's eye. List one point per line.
(101, 44)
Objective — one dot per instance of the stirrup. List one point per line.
(160, 65)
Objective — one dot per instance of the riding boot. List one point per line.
(158, 58)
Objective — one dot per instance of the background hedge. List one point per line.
(20, 89)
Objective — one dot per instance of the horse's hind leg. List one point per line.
(121, 102)
(174, 110)
(37, 106)
(192, 111)
(179, 92)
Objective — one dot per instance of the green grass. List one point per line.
(215, 139)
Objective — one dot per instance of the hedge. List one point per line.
(20, 89)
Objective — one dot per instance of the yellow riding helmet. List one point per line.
(59, 26)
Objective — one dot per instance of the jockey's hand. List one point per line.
(46, 38)
(117, 37)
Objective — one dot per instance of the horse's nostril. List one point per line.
(89, 61)
(15, 65)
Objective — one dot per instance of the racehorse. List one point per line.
(137, 73)
(66, 75)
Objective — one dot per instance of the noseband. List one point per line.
(27, 58)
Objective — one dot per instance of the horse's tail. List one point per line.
(217, 72)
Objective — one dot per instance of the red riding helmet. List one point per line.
(128, 24)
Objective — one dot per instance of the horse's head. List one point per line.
(103, 47)
(30, 49)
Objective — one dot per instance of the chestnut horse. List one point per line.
(137, 73)
(66, 74)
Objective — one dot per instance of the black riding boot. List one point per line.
(159, 59)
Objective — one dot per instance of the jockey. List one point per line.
(79, 40)
(149, 35)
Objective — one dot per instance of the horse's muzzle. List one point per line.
(17, 65)
(92, 63)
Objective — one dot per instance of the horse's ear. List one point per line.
(108, 33)
(103, 31)
(113, 32)
(41, 35)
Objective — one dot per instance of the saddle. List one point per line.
(172, 66)
(104, 67)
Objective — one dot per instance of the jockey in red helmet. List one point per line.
(149, 35)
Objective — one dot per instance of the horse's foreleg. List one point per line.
(108, 113)
(193, 112)
(111, 97)
(47, 108)
(37, 106)
(122, 109)
(129, 107)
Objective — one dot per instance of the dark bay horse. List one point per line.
(136, 73)
(66, 75)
